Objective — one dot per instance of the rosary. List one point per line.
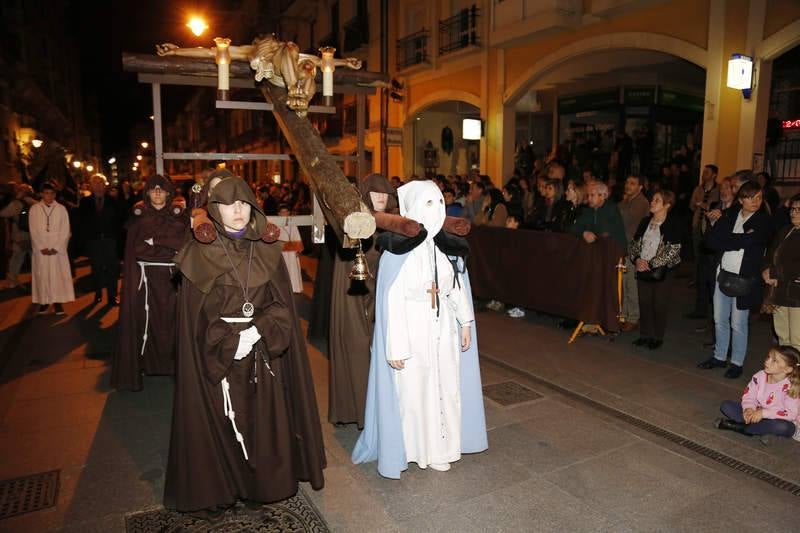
(247, 307)
(47, 215)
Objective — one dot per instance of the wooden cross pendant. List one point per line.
(434, 292)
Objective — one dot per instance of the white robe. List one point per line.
(291, 234)
(428, 386)
(51, 275)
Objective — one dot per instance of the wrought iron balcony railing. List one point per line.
(459, 31)
(413, 49)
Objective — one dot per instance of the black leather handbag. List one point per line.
(654, 274)
(734, 285)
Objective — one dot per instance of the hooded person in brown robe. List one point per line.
(245, 424)
(352, 316)
(157, 228)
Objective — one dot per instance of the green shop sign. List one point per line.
(669, 98)
(588, 102)
(643, 96)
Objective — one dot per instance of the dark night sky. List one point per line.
(104, 31)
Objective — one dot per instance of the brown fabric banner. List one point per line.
(550, 272)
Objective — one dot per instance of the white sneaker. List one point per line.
(796, 435)
(440, 467)
(494, 305)
(516, 312)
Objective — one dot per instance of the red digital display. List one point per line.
(791, 124)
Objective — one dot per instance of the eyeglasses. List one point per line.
(795, 209)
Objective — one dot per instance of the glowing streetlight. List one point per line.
(139, 157)
(89, 168)
(76, 164)
(197, 25)
(134, 168)
(37, 143)
(144, 144)
(152, 117)
(112, 160)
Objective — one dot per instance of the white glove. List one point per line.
(247, 338)
(149, 241)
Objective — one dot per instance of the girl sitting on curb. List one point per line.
(770, 402)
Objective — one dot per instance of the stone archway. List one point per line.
(612, 41)
(429, 101)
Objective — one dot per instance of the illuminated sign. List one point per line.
(791, 124)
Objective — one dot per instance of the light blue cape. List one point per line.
(382, 438)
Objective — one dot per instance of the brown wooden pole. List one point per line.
(340, 200)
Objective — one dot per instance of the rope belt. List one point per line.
(227, 405)
(143, 281)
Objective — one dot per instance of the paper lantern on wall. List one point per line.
(740, 72)
(471, 129)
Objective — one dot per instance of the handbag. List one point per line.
(734, 285)
(654, 274)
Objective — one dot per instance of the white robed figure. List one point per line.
(424, 400)
(49, 228)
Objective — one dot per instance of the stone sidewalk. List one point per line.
(555, 463)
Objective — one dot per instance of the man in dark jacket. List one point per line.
(602, 219)
(99, 229)
(739, 239)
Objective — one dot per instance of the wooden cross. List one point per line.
(434, 292)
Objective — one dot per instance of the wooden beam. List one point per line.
(345, 79)
(340, 201)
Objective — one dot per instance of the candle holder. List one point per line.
(327, 66)
(222, 57)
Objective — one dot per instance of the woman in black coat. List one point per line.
(738, 239)
(655, 250)
(781, 273)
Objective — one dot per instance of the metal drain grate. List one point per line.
(27, 494)
(727, 460)
(509, 393)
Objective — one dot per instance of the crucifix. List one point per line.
(434, 292)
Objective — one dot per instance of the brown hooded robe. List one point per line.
(168, 229)
(351, 321)
(271, 390)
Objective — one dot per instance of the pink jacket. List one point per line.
(772, 398)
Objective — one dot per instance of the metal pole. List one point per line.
(384, 99)
(157, 133)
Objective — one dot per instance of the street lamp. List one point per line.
(112, 160)
(144, 144)
(133, 168)
(37, 143)
(197, 25)
(139, 157)
(89, 168)
(76, 164)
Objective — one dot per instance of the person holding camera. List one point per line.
(739, 238)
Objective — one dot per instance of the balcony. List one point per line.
(519, 20)
(356, 33)
(413, 49)
(459, 31)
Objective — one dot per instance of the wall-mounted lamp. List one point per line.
(471, 129)
(37, 143)
(112, 160)
(327, 66)
(223, 59)
(740, 74)
(89, 168)
(76, 164)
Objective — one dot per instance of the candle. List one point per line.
(223, 59)
(327, 68)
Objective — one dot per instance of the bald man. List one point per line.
(100, 220)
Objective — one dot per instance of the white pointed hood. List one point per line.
(423, 201)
